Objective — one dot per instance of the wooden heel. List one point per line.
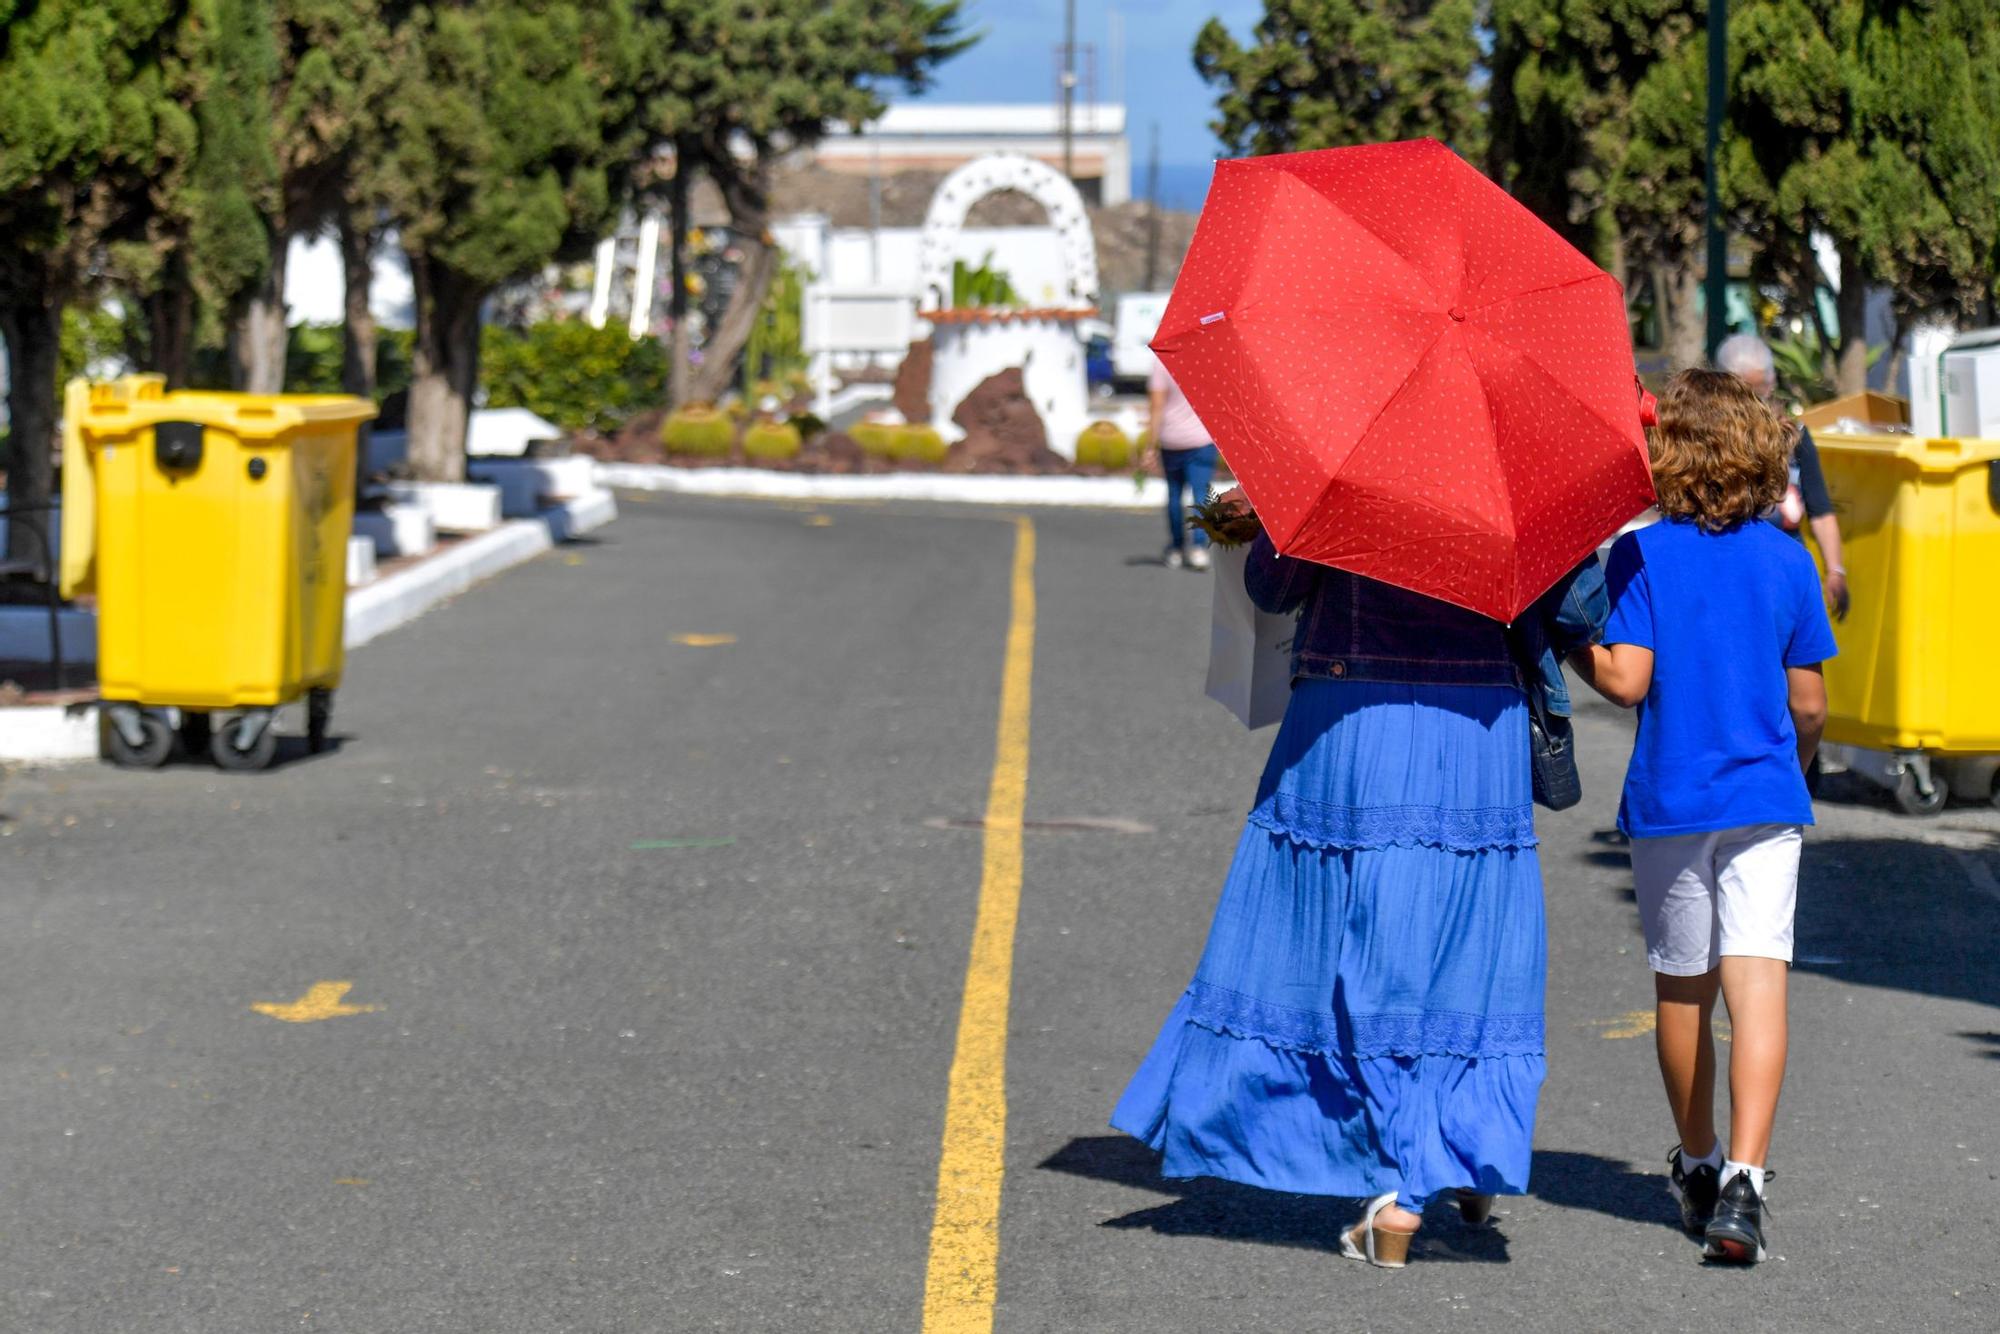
(1371, 1243)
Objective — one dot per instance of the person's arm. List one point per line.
(1156, 413)
(1622, 673)
(1807, 690)
(1824, 523)
(1826, 532)
(1277, 584)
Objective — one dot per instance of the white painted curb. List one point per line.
(397, 599)
(54, 733)
(50, 733)
(1116, 493)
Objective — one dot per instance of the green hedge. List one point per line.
(877, 438)
(919, 444)
(580, 378)
(1103, 445)
(697, 429)
(771, 440)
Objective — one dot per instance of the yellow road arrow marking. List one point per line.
(323, 1000)
(1632, 1024)
(704, 641)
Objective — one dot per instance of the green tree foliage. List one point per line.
(580, 378)
(507, 148)
(327, 91)
(82, 106)
(1873, 122)
(1324, 73)
(201, 242)
(769, 76)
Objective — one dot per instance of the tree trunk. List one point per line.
(745, 190)
(357, 330)
(1851, 371)
(31, 320)
(170, 317)
(257, 342)
(444, 368)
(1685, 328)
(679, 344)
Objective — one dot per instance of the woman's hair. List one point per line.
(1720, 454)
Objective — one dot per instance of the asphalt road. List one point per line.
(668, 941)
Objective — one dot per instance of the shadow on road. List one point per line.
(1902, 914)
(1207, 1207)
(1604, 1185)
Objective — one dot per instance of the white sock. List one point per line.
(1756, 1175)
(1713, 1158)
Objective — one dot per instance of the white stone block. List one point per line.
(398, 529)
(455, 507)
(507, 432)
(360, 560)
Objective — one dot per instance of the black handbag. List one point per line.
(1551, 740)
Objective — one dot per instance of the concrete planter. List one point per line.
(360, 561)
(398, 530)
(455, 507)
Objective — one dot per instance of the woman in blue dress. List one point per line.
(1366, 1020)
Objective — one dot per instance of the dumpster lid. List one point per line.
(1926, 453)
(247, 416)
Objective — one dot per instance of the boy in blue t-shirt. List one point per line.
(1717, 633)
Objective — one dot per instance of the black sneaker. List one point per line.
(1736, 1234)
(1696, 1191)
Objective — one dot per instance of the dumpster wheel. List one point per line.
(1912, 800)
(136, 738)
(243, 742)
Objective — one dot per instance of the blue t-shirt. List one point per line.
(1725, 614)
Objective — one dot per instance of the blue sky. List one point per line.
(1014, 61)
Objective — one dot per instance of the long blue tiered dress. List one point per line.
(1367, 1015)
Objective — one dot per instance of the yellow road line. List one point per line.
(965, 1234)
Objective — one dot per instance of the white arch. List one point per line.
(981, 177)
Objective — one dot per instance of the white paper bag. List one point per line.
(1249, 651)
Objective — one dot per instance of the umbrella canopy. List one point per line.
(1411, 376)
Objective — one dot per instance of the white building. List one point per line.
(941, 136)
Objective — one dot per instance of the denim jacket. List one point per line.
(1352, 628)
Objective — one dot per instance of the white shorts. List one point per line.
(1727, 891)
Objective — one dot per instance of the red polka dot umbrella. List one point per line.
(1411, 376)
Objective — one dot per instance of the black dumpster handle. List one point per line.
(1993, 483)
(52, 578)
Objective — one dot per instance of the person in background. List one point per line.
(1748, 358)
(1187, 457)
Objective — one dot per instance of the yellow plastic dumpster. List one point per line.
(220, 526)
(1916, 686)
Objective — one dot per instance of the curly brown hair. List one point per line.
(1720, 454)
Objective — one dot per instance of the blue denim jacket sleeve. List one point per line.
(1277, 584)
(1569, 616)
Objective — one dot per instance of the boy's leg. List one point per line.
(1755, 989)
(1674, 883)
(1687, 1057)
(1757, 888)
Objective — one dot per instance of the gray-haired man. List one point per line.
(1747, 357)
